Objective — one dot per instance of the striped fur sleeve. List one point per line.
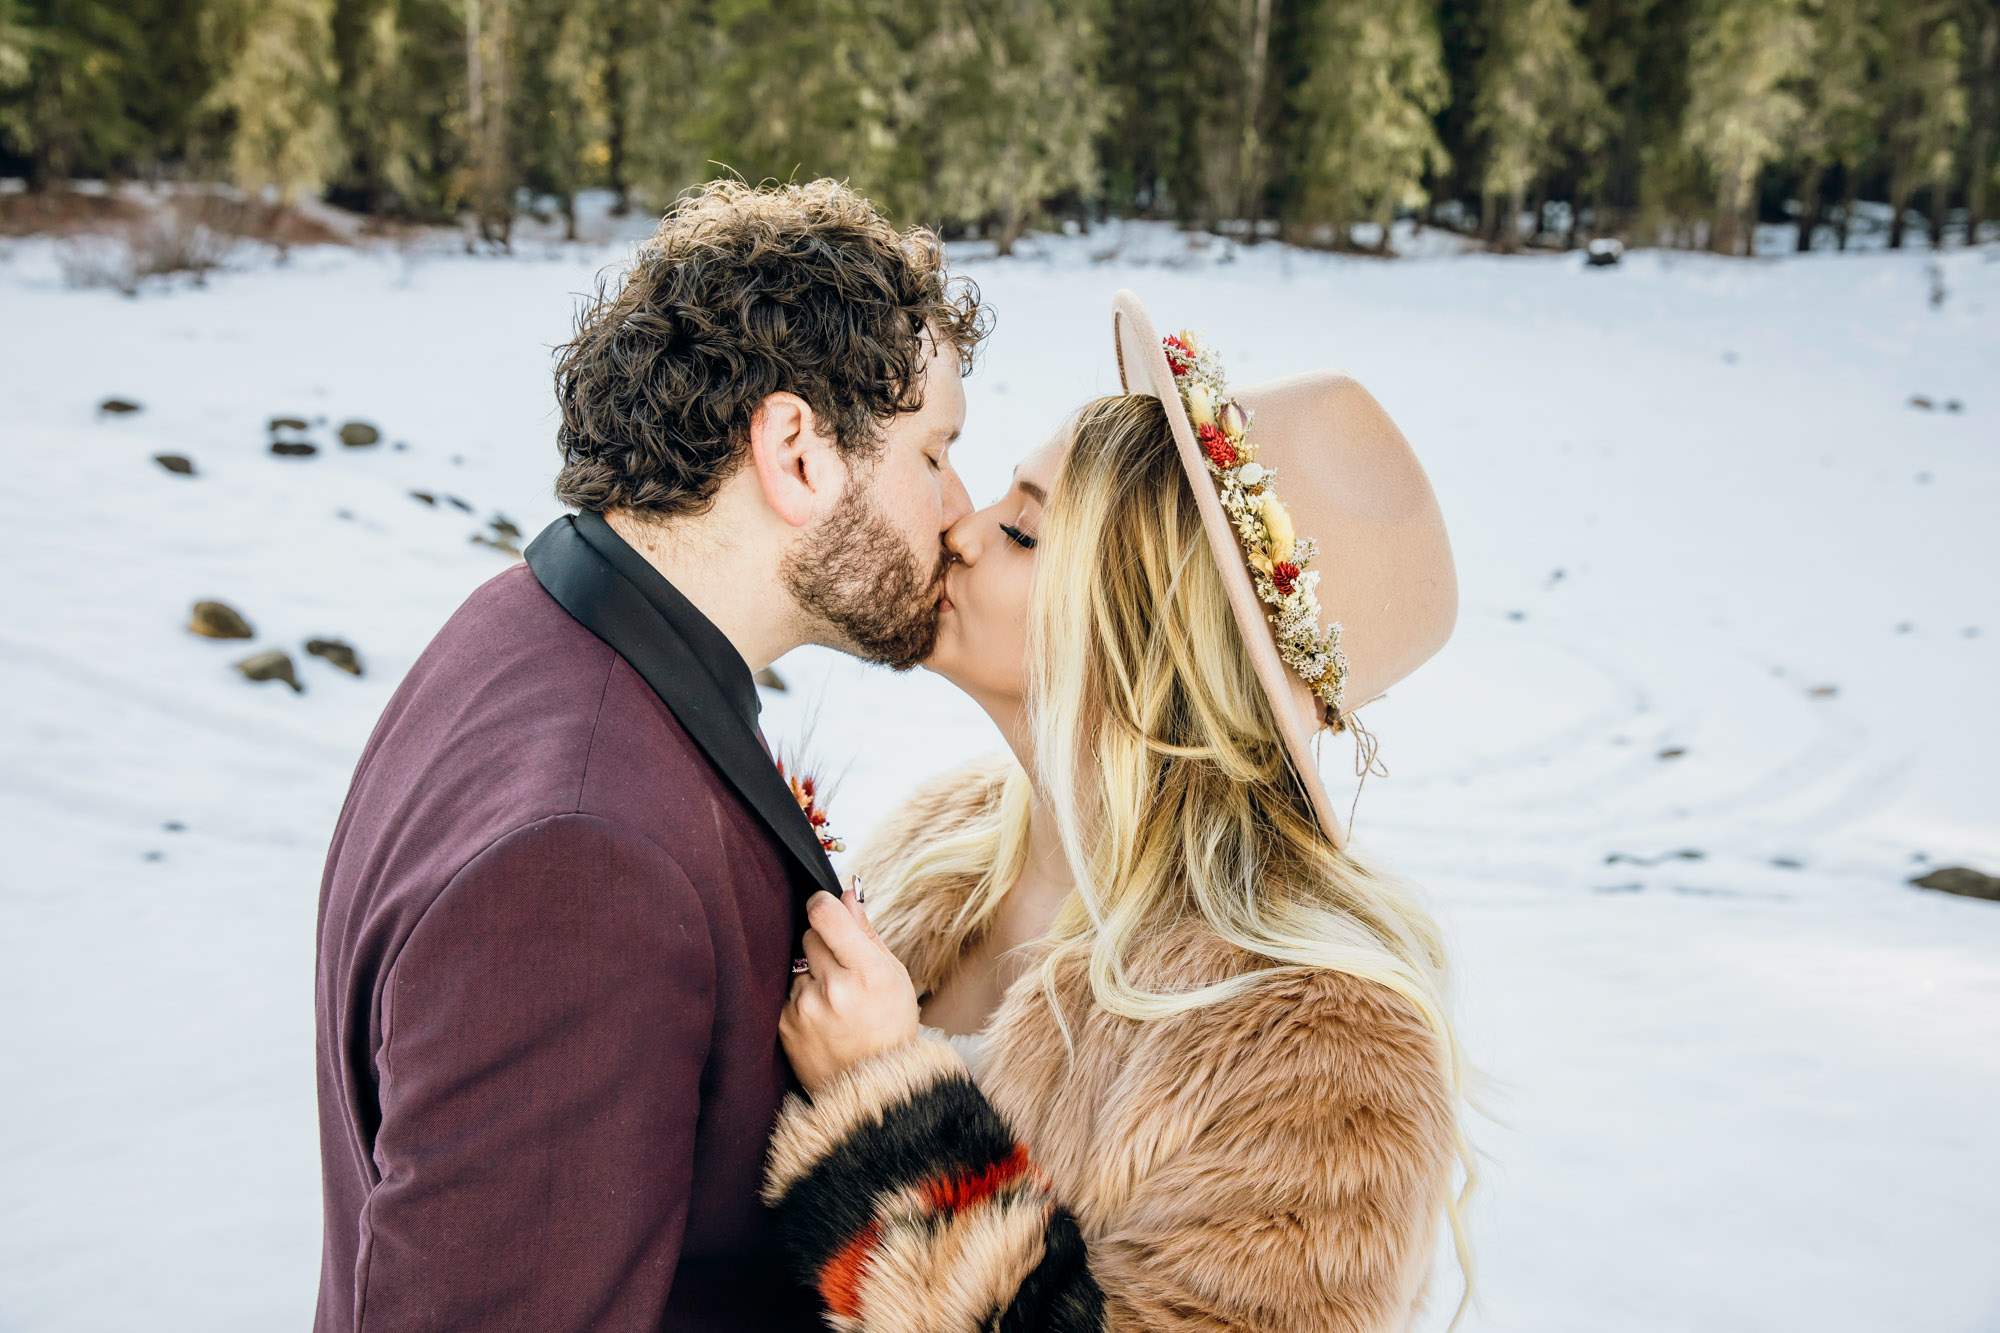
(900, 1194)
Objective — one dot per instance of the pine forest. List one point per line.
(1524, 123)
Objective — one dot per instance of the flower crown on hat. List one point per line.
(1278, 557)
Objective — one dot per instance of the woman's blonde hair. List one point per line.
(1159, 757)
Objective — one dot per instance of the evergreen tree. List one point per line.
(1836, 128)
(801, 89)
(400, 105)
(68, 112)
(659, 58)
(1982, 81)
(1170, 79)
(1745, 60)
(279, 91)
(1923, 105)
(1638, 51)
(559, 113)
(1010, 113)
(15, 59)
(1364, 115)
(489, 178)
(1536, 102)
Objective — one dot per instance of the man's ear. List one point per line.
(796, 465)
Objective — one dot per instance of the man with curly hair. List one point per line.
(561, 904)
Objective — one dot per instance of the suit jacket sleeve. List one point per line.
(544, 1028)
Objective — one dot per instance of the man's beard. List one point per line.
(855, 574)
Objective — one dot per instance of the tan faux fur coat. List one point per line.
(1276, 1162)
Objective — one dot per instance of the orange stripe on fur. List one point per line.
(967, 1189)
(840, 1277)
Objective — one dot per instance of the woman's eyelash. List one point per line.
(1018, 537)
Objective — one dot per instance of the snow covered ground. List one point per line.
(1723, 680)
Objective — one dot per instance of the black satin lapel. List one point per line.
(604, 602)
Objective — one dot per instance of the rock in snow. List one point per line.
(340, 654)
(219, 620)
(359, 434)
(179, 464)
(500, 544)
(273, 665)
(1963, 881)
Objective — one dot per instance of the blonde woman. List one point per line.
(1136, 1040)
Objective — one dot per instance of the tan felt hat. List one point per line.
(1348, 481)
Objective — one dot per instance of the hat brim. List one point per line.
(1143, 368)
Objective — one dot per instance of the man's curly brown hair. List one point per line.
(743, 292)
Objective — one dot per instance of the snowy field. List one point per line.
(1724, 679)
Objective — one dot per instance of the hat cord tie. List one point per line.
(1367, 759)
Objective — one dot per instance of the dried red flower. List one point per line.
(1283, 575)
(1180, 357)
(1217, 446)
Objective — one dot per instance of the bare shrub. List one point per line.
(193, 233)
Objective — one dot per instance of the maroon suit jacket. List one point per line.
(555, 935)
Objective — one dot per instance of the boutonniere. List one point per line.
(810, 795)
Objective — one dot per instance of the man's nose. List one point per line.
(957, 502)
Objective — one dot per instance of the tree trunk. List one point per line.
(1809, 206)
(1722, 236)
(1508, 225)
(1850, 186)
(1940, 209)
(1983, 110)
(1250, 167)
(1899, 197)
(475, 80)
(1975, 185)
(614, 129)
(1013, 224)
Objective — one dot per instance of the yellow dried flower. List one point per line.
(1278, 524)
(1201, 405)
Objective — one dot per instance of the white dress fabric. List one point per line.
(971, 1046)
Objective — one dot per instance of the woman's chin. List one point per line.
(939, 663)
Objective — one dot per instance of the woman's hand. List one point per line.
(854, 1003)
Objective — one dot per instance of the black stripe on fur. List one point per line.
(947, 1128)
(1060, 1295)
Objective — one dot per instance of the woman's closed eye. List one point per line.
(1018, 537)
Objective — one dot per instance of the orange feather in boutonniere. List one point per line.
(810, 795)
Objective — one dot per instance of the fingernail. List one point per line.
(800, 965)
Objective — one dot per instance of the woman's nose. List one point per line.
(961, 540)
